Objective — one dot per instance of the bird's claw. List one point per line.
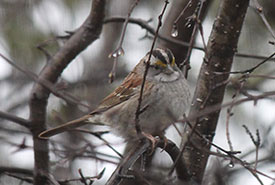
(152, 139)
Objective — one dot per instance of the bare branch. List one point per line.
(259, 9)
(180, 15)
(83, 178)
(138, 111)
(15, 119)
(217, 107)
(255, 67)
(46, 84)
(231, 155)
(144, 24)
(255, 142)
(15, 170)
(98, 135)
(195, 17)
(26, 179)
(137, 151)
(221, 47)
(84, 36)
(119, 51)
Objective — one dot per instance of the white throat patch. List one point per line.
(162, 77)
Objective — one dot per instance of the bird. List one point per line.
(166, 98)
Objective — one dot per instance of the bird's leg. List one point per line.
(152, 139)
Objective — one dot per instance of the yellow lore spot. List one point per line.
(161, 64)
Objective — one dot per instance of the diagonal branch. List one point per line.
(84, 36)
(15, 119)
(46, 84)
(139, 111)
(144, 24)
(140, 149)
(259, 9)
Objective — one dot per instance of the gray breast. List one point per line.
(166, 105)
(178, 98)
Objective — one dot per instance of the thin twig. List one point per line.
(229, 112)
(259, 9)
(136, 152)
(119, 51)
(182, 12)
(82, 178)
(16, 170)
(253, 68)
(137, 125)
(25, 179)
(196, 17)
(174, 32)
(82, 152)
(262, 76)
(98, 135)
(144, 24)
(257, 142)
(189, 135)
(177, 129)
(45, 83)
(231, 155)
(97, 177)
(217, 107)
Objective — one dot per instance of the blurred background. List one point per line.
(28, 24)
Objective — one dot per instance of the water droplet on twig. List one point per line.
(189, 25)
(111, 77)
(118, 52)
(174, 32)
(189, 21)
(231, 164)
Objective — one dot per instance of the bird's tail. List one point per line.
(65, 127)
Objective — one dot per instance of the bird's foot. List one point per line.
(152, 139)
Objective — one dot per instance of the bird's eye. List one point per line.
(156, 67)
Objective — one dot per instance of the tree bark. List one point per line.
(84, 36)
(219, 55)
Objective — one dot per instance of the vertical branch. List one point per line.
(196, 18)
(221, 47)
(138, 111)
(239, 88)
(85, 35)
(181, 13)
(120, 51)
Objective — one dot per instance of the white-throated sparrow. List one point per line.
(166, 97)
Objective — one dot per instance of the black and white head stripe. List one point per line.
(170, 55)
(166, 56)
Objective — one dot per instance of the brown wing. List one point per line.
(126, 90)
